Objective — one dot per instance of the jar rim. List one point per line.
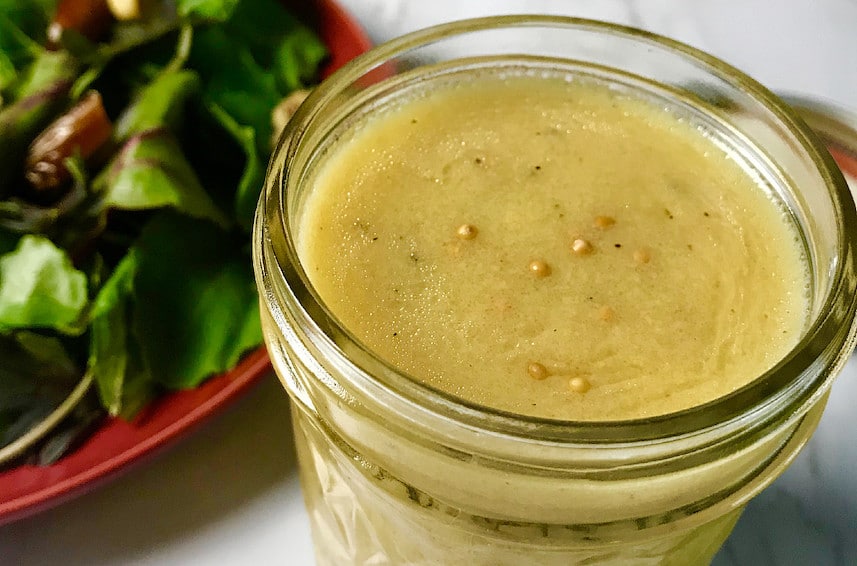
(785, 388)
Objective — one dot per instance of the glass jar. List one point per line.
(394, 472)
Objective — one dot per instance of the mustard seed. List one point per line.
(581, 247)
(537, 371)
(539, 268)
(579, 384)
(466, 231)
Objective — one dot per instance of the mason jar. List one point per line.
(395, 472)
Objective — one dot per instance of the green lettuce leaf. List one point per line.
(118, 286)
(297, 59)
(108, 351)
(22, 29)
(46, 71)
(247, 65)
(40, 288)
(234, 81)
(137, 48)
(139, 388)
(195, 307)
(278, 42)
(150, 172)
(30, 16)
(160, 104)
(108, 356)
(253, 60)
(253, 175)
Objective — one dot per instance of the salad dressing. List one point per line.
(554, 248)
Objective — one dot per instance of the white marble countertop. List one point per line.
(230, 495)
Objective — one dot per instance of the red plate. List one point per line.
(117, 444)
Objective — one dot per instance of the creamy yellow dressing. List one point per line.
(554, 248)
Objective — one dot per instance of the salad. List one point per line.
(134, 136)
